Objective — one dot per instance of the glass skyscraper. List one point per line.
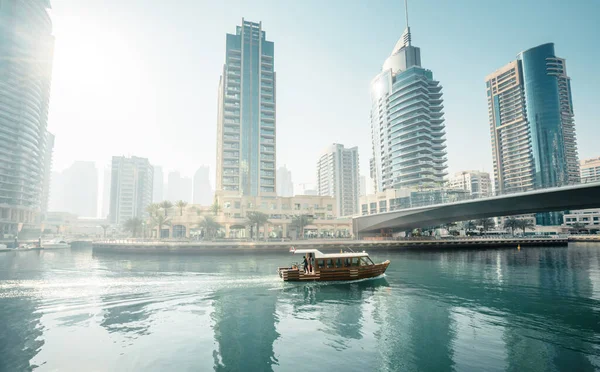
(27, 47)
(407, 124)
(531, 122)
(246, 117)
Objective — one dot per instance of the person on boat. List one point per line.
(310, 262)
(305, 263)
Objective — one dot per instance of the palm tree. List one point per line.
(159, 221)
(104, 227)
(209, 225)
(512, 224)
(215, 208)
(257, 219)
(578, 225)
(469, 225)
(153, 209)
(526, 224)
(486, 223)
(181, 204)
(300, 221)
(133, 225)
(166, 205)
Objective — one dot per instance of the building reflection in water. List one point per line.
(244, 325)
(127, 314)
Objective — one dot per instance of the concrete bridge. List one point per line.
(546, 200)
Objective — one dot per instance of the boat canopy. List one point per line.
(319, 254)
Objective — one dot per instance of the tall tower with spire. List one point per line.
(407, 123)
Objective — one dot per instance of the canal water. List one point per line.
(534, 309)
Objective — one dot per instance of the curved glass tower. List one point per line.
(407, 124)
(531, 122)
(26, 46)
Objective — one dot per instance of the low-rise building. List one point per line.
(233, 217)
(587, 217)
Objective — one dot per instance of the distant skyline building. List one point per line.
(131, 188)
(179, 188)
(158, 185)
(246, 114)
(477, 183)
(407, 123)
(203, 192)
(305, 189)
(590, 170)
(338, 176)
(75, 190)
(27, 50)
(285, 185)
(105, 210)
(47, 173)
(532, 127)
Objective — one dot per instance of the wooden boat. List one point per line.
(333, 266)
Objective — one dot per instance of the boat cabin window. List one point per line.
(366, 261)
(329, 263)
(320, 263)
(355, 261)
(338, 263)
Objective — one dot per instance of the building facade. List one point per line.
(203, 192)
(285, 185)
(246, 114)
(324, 223)
(477, 183)
(158, 185)
(407, 123)
(396, 199)
(25, 74)
(47, 173)
(338, 176)
(131, 188)
(590, 170)
(585, 217)
(530, 113)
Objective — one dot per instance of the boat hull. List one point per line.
(334, 273)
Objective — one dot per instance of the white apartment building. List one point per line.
(477, 183)
(131, 188)
(338, 176)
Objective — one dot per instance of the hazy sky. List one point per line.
(140, 77)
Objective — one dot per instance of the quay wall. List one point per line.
(325, 246)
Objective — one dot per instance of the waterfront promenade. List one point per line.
(133, 246)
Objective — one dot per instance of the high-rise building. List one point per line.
(338, 176)
(246, 114)
(531, 123)
(407, 124)
(285, 185)
(590, 170)
(203, 192)
(131, 188)
(477, 183)
(75, 190)
(25, 74)
(47, 173)
(105, 211)
(179, 188)
(158, 185)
